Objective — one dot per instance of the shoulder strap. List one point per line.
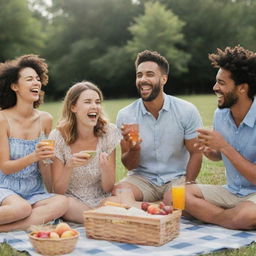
(8, 122)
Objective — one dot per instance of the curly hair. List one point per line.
(9, 74)
(67, 124)
(153, 56)
(241, 63)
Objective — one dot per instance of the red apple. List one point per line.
(43, 234)
(144, 206)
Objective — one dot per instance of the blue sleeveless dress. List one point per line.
(28, 182)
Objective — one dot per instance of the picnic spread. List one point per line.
(111, 233)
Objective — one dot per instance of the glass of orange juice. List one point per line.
(49, 143)
(133, 132)
(178, 193)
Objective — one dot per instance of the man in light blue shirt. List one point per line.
(233, 140)
(167, 128)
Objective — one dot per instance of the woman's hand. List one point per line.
(43, 152)
(107, 167)
(105, 164)
(78, 159)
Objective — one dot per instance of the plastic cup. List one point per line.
(49, 143)
(133, 132)
(178, 193)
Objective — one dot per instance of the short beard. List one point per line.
(155, 92)
(229, 100)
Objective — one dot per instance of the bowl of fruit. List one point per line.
(54, 240)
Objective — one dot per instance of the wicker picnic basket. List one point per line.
(49, 246)
(132, 229)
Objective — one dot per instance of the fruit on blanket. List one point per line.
(54, 235)
(43, 234)
(61, 228)
(144, 206)
(68, 233)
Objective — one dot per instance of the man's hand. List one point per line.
(133, 145)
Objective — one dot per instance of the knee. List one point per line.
(122, 185)
(21, 211)
(191, 196)
(244, 220)
(63, 201)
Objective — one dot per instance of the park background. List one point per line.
(98, 40)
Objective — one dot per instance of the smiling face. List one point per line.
(149, 80)
(225, 89)
(28, 86)
(87, 108)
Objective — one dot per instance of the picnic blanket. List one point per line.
(195, 238)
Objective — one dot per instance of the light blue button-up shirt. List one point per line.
(243, 139)
(163, 153)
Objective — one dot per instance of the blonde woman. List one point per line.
(83, 127)
(23, 198)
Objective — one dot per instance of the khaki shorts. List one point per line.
(220, 196)
(150, 191)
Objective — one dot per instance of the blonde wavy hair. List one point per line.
(67, 124)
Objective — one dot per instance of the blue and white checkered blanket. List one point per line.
(195, 238)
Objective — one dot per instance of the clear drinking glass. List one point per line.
(133, 132)
(49, 143)
(178, 193)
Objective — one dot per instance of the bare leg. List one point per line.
(42, 212)
(167, 199)
(14, 208)
(138, 196)
(242, 216)
(131, 198)
(75, 210)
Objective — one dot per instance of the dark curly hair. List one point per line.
(241, 63)
(9, 74)
(67, 124)
(153, 56)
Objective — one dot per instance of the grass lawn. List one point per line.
(212, 172)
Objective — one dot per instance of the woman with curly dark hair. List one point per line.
(86, 180)
(23, 198)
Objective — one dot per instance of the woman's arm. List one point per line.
(8, 166)
(45, 169)
(108, 170)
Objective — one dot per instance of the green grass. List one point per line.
(211, 172)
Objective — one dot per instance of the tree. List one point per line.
(160, 30)
(20, 31)
(81, 35)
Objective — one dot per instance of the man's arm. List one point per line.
(195, 160)
(130, 151)
(215, 141)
